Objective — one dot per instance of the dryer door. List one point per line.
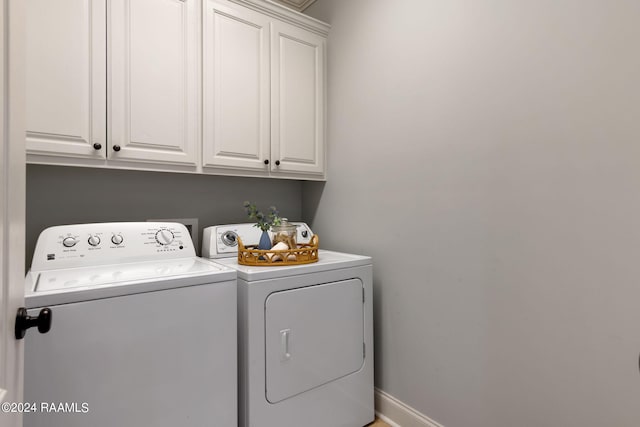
(313, 335)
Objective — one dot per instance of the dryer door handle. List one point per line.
(284, 344)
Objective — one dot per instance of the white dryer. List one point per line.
(143, 332)
(305, 336)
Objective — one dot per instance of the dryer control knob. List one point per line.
(117, 239)
(164, 237)
(94, 240)
(69, 242)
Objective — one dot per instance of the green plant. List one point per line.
(263, 222)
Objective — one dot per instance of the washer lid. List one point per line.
(327, 260)
(86, 283)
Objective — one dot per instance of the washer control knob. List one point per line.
(164, 237)
(305, 233)
(94, 240)
(69, 242)
(117, 239)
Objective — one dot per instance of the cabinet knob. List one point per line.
(277, 162)
(116, 148)
(266, 162)
(97, 146)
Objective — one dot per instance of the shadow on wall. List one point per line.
(58, 195)
(311, 196)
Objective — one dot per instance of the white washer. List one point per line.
(143, 332)
(305, 336)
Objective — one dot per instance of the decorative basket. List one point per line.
(305, 253)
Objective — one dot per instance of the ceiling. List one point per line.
(298, 5)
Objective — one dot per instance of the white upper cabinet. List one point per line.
(65, 78)
(264, 90)
(236, 112)
(232, 87)
(153, 70)
(297, 99)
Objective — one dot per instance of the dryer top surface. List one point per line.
(327, 260)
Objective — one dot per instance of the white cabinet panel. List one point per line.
(306, 344)
(297, 100)
(154, 90)
(65, 77)
(236, 87)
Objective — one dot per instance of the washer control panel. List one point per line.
(84, 245)
(222, 240)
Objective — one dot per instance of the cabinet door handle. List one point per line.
(266, 162)
(97, 146)
(116, 148)
(284, 344)
(277, 162)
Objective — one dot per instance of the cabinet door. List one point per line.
(65, 77)
(297, 100)
(153, 81)
(236, 87)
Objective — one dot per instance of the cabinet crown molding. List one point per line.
(298, 5)
(283, 13)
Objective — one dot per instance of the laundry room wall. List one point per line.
(486, 154)
(68, 195)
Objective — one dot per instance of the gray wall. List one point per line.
(67, 195)
(487, 154)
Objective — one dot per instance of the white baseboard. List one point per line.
(397, 414)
